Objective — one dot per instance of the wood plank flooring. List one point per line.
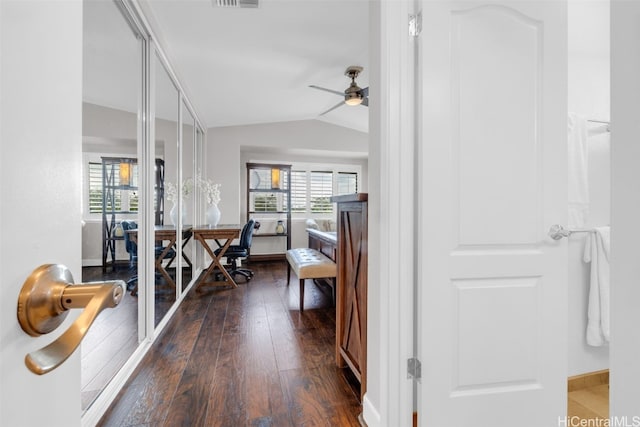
(589, 399)
(110, 341)
(243, 357)
(113, 337)
(590, 404)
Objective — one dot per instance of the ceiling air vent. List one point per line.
(235, 3)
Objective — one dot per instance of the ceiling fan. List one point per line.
(353, 95)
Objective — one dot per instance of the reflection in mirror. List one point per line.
(200, 202)
(166, 134)
(188, 173)
(111, 88)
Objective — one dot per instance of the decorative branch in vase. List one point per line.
(212, 193)
(172, 195)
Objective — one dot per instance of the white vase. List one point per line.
(213, 214)
(173, 214)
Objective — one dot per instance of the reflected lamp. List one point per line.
(275, 179)
(125, 173)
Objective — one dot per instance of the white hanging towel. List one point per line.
(578, 185)
(596, 251)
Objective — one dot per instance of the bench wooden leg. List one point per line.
(288, 273)
(301, 294)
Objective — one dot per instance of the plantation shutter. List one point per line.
(298, 191)
(320, 192)
(347, 183)
(95, 187)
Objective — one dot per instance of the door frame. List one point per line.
(392, 232)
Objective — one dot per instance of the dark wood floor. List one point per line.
(113, 337)
(110, 341)
(243, 357)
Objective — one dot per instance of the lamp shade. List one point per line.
(275, 179)
(125, 173)
(353, 100)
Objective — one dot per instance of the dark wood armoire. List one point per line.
(351, 293)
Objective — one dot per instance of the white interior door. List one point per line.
(492, 318)
(40, 160)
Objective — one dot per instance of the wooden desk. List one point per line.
(325, 242)
(222, 232)
(166, 233)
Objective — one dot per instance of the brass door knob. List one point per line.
(44, 303)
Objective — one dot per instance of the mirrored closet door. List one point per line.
(111, 147)
(141, 139)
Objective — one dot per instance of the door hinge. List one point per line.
(414, 369)
(415, 24)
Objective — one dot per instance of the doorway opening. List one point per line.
(589, 209)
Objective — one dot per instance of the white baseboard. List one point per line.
(370, 413)
(90, 262)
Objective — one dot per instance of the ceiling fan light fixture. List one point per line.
(353, 94)
(352, 98)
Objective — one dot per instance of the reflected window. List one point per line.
(123, 201)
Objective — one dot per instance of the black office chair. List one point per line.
(132, 249)
(240, 251)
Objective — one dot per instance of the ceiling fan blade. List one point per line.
(327, 90)
(365, 92)
(365, 102)
(339, 104)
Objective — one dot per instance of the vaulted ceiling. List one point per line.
(254, 65)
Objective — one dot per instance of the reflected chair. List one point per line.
(132, 250)
(241, 250)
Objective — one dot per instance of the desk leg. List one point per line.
(159, 266)
(184, 255)
(216, 262)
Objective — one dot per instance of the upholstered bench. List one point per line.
(309, 264)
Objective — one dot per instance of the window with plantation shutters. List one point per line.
(283, 198)
(347, 183)
(311, 189)
(123, 199)
(264, 202)
(298, 191)
(95, 187)
(320, 192)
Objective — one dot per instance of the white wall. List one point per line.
(302, 140)
(589, 95)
